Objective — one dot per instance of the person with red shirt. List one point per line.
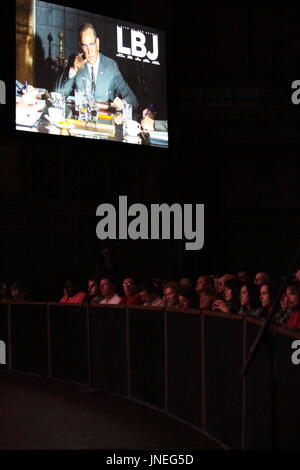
(72, 293)
(131, 291)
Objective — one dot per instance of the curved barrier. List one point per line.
(184, 363)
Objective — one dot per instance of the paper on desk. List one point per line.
(24, 118)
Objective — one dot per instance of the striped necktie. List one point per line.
(93, 81)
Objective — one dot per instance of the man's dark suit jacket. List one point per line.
(109, 83)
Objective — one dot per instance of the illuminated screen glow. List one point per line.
(107, 82)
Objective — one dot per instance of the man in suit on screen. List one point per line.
(90, 68)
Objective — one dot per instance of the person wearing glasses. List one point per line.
(131, 291)
(101, 73)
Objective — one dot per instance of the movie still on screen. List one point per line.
(91, 76)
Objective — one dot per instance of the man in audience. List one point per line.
(72, 293)
(131, 291)
(107, 287)
(261, 278)
(149, 295)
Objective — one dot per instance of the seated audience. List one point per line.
(150, 295)
(293, 299)
(171, 299)
(206, 292)
(249, 297)
(72, 293)
(232, 303)
(131, 291)
(108, 290)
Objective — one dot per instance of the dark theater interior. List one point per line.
(144, 344)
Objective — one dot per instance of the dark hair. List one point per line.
(189, 294)
(235, 285)
(149, 287)
(254, 294)
(131, 276)
(109, 278)
(172, 285)
(83, 27)
(294, 285)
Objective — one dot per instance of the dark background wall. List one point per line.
(235, 147)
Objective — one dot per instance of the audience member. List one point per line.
(231, 302)
(93, 297)
(221, 283)
(107, 287)
(205, 289)
(131, 291)
(283, 315)
(19, 293)
(249, 297)
(72, 292)
(187, 298)
(171, 299)
(267, 297)
(150, 295)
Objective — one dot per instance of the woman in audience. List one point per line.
(187, 298)
(171, 295)
(205, 290)
(93, 297)
(249, 297)
(283, 315)
(232, 303)
(267, 297)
